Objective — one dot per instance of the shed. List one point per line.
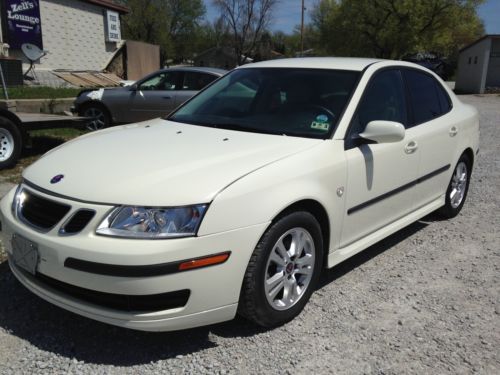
(479, 65)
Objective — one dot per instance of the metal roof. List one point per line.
(492, 36)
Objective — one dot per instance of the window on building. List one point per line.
(475, 59)
(470, 60)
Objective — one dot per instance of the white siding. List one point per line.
(73, 33)
(472, 68)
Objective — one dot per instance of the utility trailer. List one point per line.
(15, 128)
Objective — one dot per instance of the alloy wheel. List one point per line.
(458, 184)
(98, 118)
(289, 268)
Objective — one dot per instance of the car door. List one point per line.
(155, 96)
(192, 82)
(380, 177)
(435, 129)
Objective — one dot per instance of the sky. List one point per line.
(287, 14)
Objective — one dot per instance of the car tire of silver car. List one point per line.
(283, 270)
(10, 143)
(456, 193)
(98, 114)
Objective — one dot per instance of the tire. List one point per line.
(266, 303)
(99, 115)
(456, 193)
(10, 143)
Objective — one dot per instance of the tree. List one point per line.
(184, 26)
(247, 20)
(172, 24)
(393, 28)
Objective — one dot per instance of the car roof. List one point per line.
(202, 69)
(339, 63)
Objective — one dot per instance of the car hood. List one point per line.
(158, 163)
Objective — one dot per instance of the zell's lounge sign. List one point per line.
(23, 22)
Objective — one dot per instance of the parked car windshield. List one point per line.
(285, 101)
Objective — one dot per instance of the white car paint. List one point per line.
(248, 179)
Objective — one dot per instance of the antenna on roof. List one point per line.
(32, 53)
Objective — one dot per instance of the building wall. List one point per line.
(142, 59)
(473, 67)
(493, 76)
(74, 34)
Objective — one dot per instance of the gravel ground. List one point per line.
(425, 300)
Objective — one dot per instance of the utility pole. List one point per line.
(302, 31)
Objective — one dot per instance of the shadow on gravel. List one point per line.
(55, 330)
(359, 259)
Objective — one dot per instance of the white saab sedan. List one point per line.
(238, 200)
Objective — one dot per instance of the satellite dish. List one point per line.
(32, 53)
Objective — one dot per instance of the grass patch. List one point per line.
(41, 142)
(40, 92)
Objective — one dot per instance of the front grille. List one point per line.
(77, 222)
(40, 212)
(123, 302)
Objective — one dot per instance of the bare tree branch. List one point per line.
(247, 20)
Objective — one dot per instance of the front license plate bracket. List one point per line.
(24, 253)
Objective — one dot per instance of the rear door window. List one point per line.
(427, 98)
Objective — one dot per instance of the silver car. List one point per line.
(153, 96)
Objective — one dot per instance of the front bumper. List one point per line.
(213, 291)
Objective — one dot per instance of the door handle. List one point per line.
(166, 97)
(453, 131)
(411, 147)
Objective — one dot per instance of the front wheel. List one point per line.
(98, 117)
(457, 188)
(283, 270)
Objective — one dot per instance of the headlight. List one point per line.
(152, 222)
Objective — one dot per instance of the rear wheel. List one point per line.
(10, 143)
(283, 270)
(457, 188)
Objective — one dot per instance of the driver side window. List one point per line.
(384, 99)
(166, 81)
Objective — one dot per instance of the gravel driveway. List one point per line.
(426, 300)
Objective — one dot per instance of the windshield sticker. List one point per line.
(320, 125)
(322, 118)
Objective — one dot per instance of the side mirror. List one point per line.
(384, 131)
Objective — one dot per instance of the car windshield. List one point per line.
(284, 101)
